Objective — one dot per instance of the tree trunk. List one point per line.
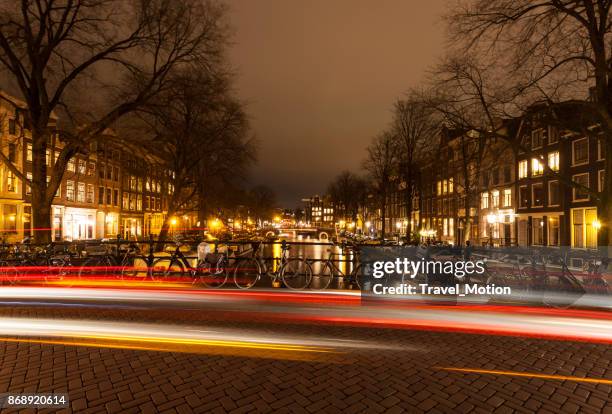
(41, 219)
(467, 231)
(163, 233)
(408, 201)
(41, 203)
(202, 210)
(383, 216)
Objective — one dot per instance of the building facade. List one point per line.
(104, 192)
(531, 189)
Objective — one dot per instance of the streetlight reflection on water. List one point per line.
(316, 253)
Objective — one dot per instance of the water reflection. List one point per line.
(320, 254)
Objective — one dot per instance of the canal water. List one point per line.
(319, 254)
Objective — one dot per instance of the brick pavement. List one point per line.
(102, 380)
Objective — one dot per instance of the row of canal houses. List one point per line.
(103, 193)
(505, 193)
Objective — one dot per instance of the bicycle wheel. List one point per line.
(296, 274)
(166, 267)
(59, 271)
(138, 269)
(9, 275)
(95, 267)
(323, 278)
(246, 273)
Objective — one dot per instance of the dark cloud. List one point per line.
(320, 76)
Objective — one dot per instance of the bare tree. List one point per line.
(550, 51)
(200, 133)
(225, 159)
(49, 49)
(347, 192)
(262, 201)
(414, 127)
(380, 164)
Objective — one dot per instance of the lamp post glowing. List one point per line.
(596, 224)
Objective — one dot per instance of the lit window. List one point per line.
(554, 234)
(28, 187)
(584, 230)
(536, 167)
(495, 198)
(450, 185)
(522, 169)
(90, 193)
(11, 182)
(70, 167)
(29, 152)
(484, 200)
(70, 190)
(507, 197)
(82, 166)
(81, 192)
(553, 161)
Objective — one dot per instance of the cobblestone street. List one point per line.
(411, 377)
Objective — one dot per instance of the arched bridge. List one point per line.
(322, 233)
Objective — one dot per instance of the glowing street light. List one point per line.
(596, 224)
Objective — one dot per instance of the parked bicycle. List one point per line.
(294, 272)
(210, 270)
(51, 264)
(330, 270)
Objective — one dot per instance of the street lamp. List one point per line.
(596, 224)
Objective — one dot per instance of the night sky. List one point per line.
(320, 76)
